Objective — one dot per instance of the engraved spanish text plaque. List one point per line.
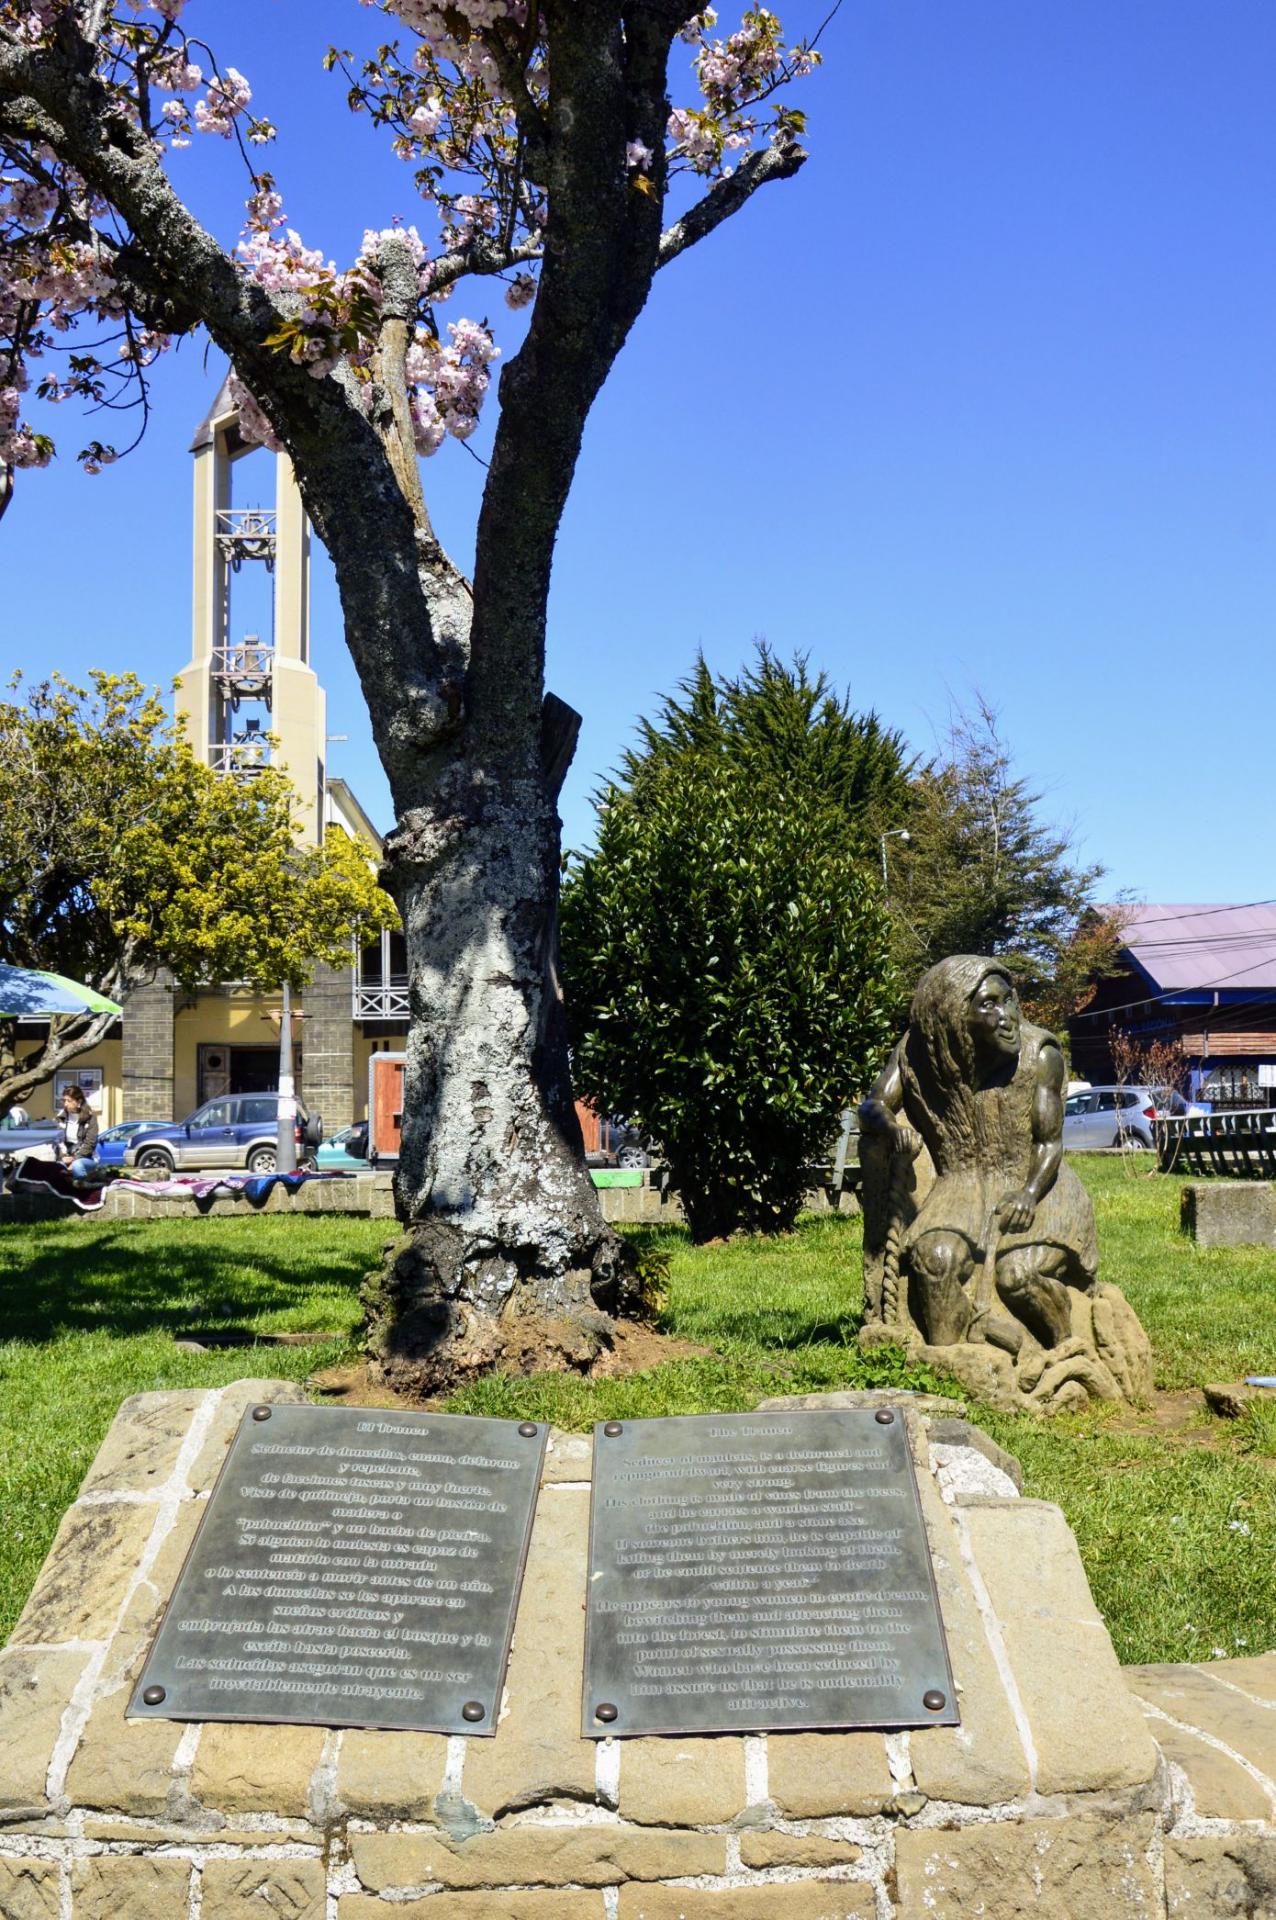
(355, 1568)
(752, 1572)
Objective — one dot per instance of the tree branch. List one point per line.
(727, 196)
(481, 256)
(510, 63)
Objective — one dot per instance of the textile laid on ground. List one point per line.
(198, 1186)
(49, 1173)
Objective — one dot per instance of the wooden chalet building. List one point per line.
(1201, 977)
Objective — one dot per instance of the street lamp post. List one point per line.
(893, 833)
(286, 1136)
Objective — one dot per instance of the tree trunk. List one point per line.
(506, 1261)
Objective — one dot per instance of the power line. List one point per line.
(1205, 986)
(1197, 913)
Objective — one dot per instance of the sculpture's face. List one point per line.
(993, 1017)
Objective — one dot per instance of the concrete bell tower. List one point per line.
(240, 686)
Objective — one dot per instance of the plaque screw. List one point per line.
(153, 1696)
(261, 1413)
(529, 1430)
(612, 1428)
(606, 1712)
(934, 1701)
(473, 1710)
(884, 1417)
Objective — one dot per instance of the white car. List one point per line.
(1109, 1117)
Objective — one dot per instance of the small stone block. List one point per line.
(552, 1855)
(796, 1850)
(537, 1753)
(1221, 1876)
(682, 1783)
(123, 1766)
(1255, 1676)
(1193, 1697)
(89, 1569)
(568, 1456)
(518, 1905)
(1082, 1868)
(141, 1447)
(1229, 1399)
(815, 1775)
(390, 1776)
(256, 1769)
(798, 1900)
(948, 1432)
(981, 1762)
(264, 1890)
(1087, 1729)
(34, 1691)
(1229, 1213)
(108, 1887)
(30, 1889)
(1221, 1788)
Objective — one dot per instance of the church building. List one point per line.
(250, 676)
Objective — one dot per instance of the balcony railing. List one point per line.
(381, 999)
(246, 533)
(242, 758)
(244, 672)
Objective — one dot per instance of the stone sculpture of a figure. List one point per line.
(979, 1238)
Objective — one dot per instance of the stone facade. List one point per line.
(330, 1088)
(1069, 1792)
(148, 1051)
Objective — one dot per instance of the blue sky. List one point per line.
(983, 399)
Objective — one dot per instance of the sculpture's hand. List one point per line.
(1016, 1211)
(905, 1142)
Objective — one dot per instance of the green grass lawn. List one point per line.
(1177, 1526)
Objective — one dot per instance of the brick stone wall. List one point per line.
(148, 1053)
(1069, 1792)
(329, 1047)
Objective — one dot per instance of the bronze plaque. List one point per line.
(355, 1568)
(760, 1571)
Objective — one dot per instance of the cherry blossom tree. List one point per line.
(551, 158)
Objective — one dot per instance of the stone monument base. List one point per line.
(1108, 1357)
(1069, 1791)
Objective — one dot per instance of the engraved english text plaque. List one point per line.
(355, 1568)
(753, 1572)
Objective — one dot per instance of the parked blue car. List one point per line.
(112, 1141)
(235, 1130)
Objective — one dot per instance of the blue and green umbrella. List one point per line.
(28, 994)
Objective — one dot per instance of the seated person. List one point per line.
(77, 1123)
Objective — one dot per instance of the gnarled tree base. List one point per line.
(443, 1311)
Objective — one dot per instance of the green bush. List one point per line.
(727, 981)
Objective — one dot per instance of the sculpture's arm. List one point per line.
(1017, 1209)
(878, 1113)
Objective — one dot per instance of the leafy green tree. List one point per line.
(121, 853)
(725, 957)
(781, 724)
(981, 872)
